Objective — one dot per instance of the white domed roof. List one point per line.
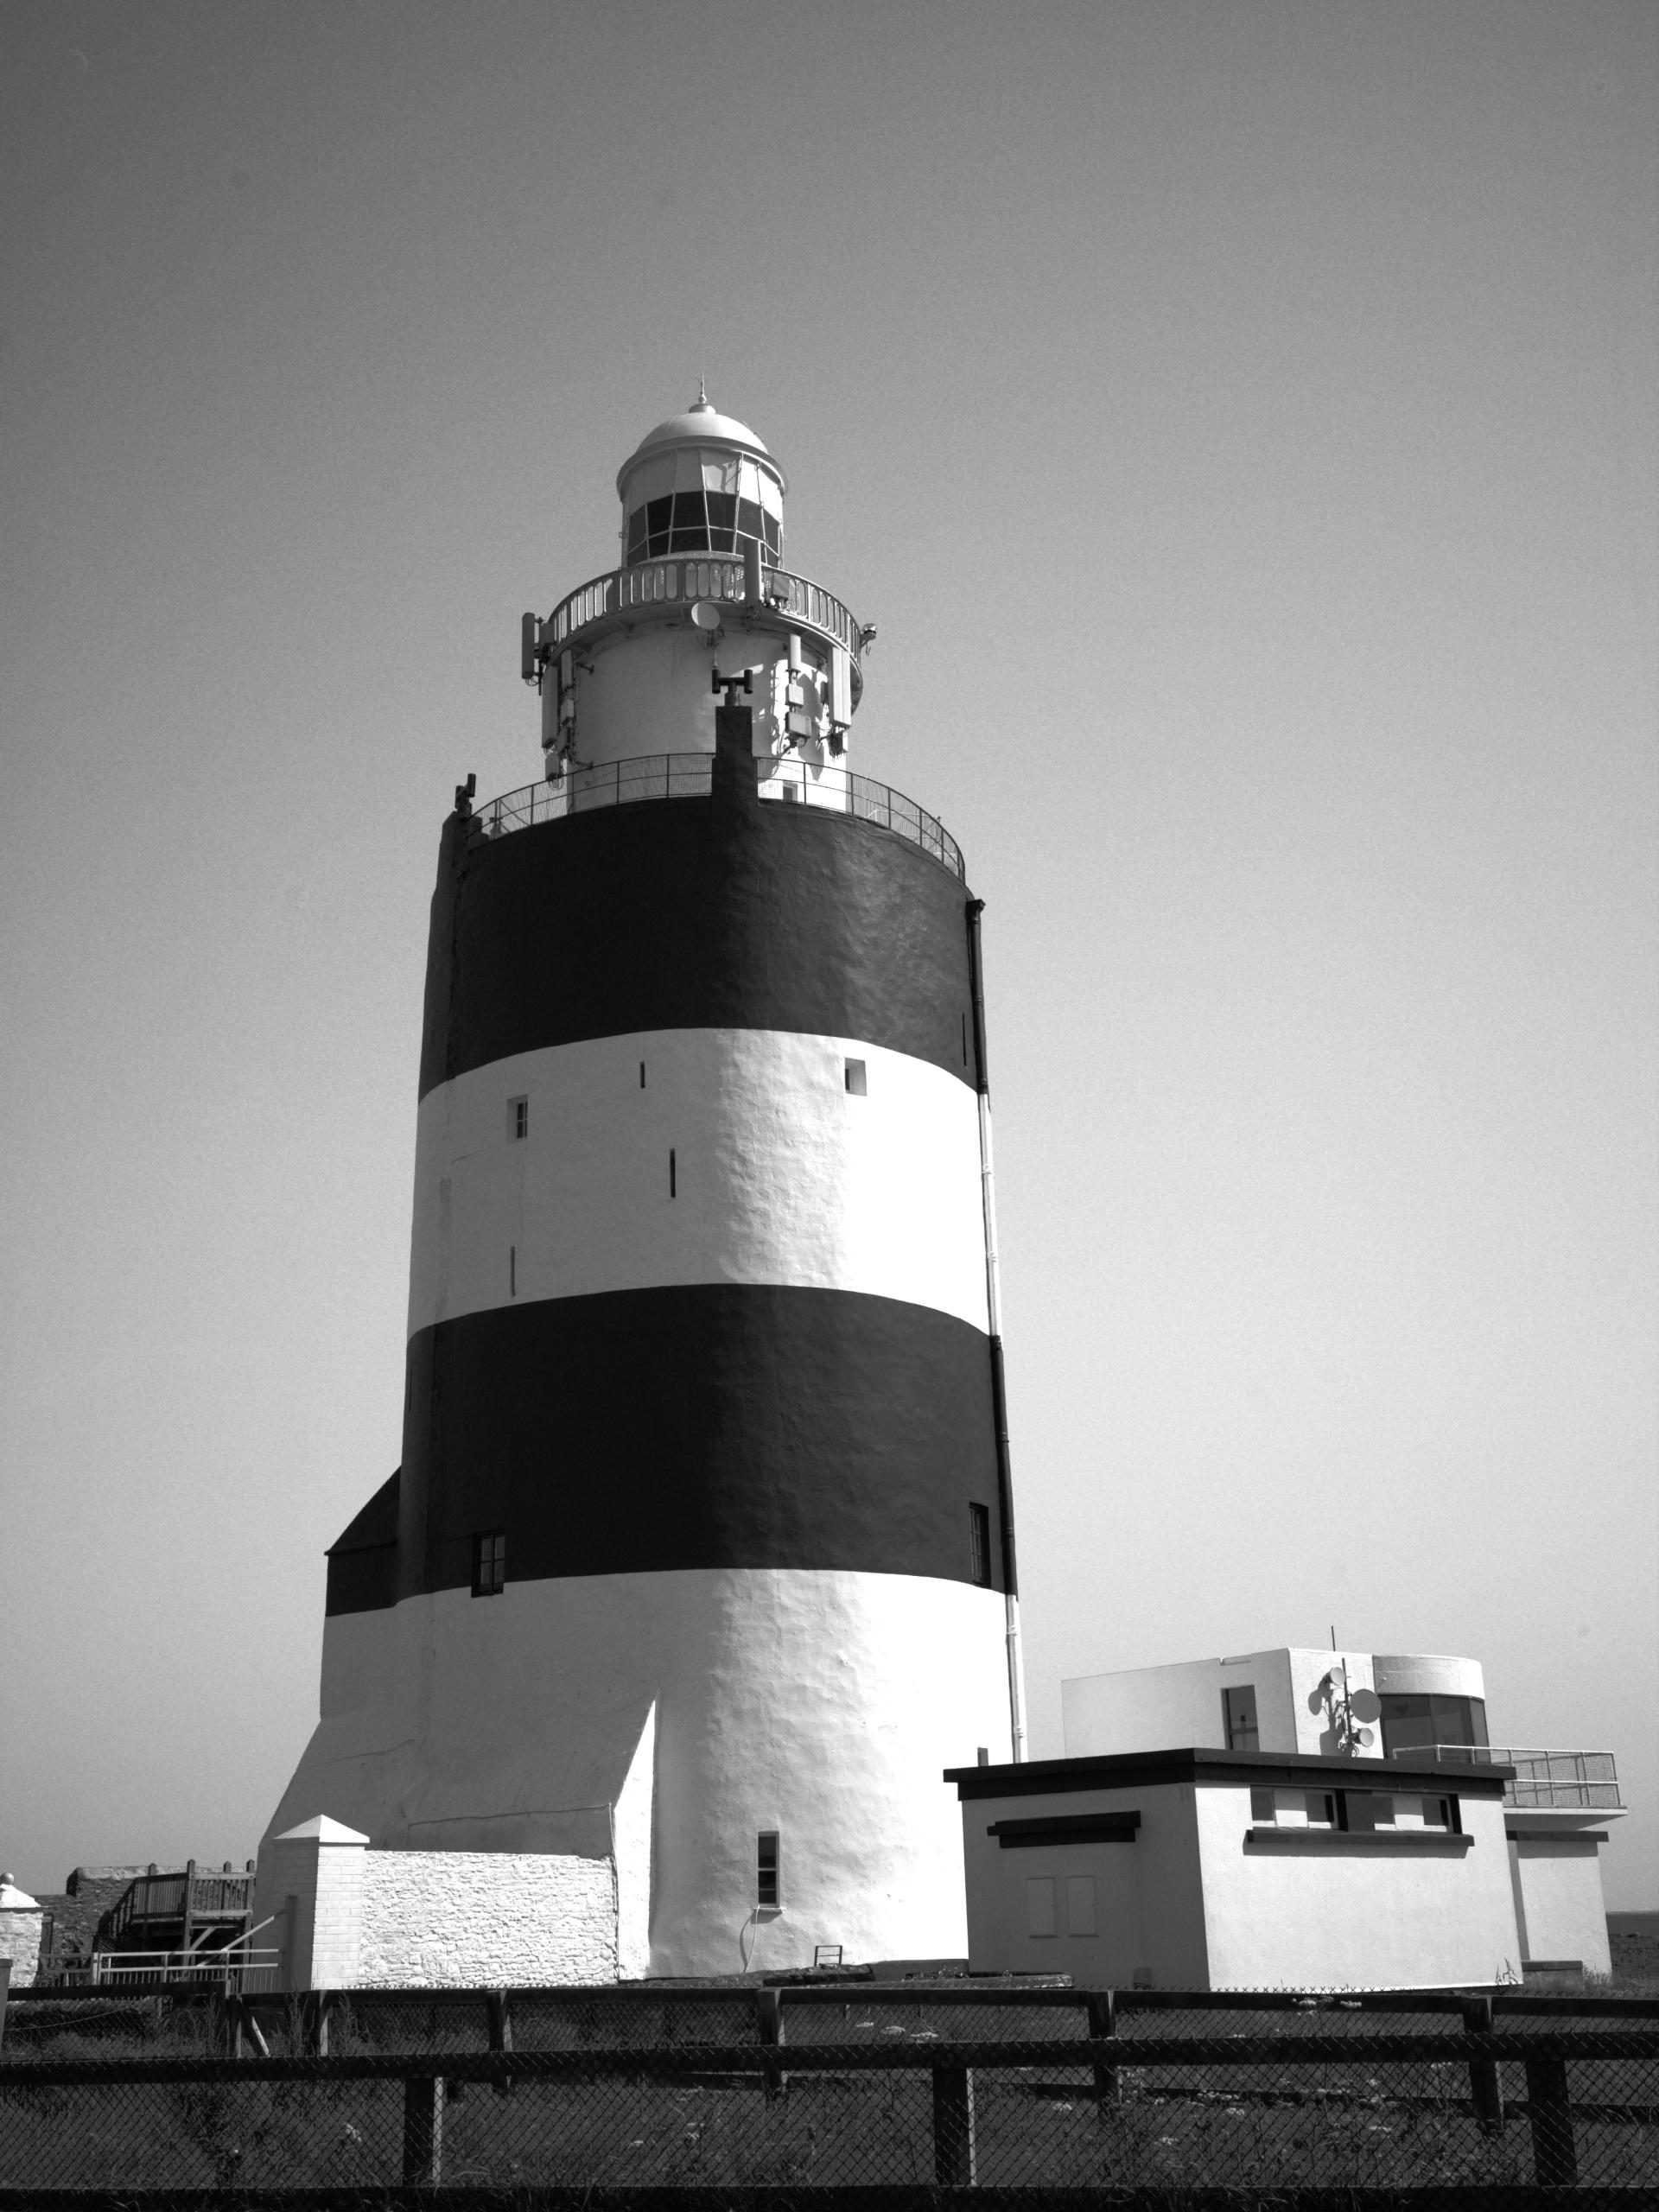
(701, 425)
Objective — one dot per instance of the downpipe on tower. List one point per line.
(994, 1303)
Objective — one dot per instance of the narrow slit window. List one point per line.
(673, 1174)
(512, 1271)
(768, 1877)
(642, 1075)
(518, 1119)
(489, 1562)
(857, 1079)
(979, 1544)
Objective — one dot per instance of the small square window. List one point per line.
(979, 1544)
(1039, 1905)
(768, 1875)
(857, 1081)
(489, 1562)
(1263, 1811)
(518, 1119)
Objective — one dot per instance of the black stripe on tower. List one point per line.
(693, 914)
(718, 1425)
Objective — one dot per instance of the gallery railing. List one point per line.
(623, 592)
(690, 775)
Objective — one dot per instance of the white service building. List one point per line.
(1384, 1714)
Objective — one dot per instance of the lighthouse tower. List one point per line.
(704, 1501)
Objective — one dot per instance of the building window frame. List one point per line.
(768, 1869)
(489, 1562)
(979, 1545)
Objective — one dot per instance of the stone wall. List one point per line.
(484, 1918)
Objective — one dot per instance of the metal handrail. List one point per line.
(213, 1964)
(830, 789)
(687, 577)
(1559, 1781)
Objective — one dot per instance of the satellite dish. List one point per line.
(1368, 1735)
(1366, 1705)
(705, 614)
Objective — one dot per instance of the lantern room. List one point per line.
(701, 483)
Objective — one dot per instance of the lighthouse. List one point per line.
(704, 1503)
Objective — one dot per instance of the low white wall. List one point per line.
(1559, 1899)
(348, 1917)
(485, 1919)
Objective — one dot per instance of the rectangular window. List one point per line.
(1238, 1708)
(768, 1880)
(512, 1271)
(518, 1119)
(489, 1562)
(1366, 1811)
(1294, 1808)
(857, 1081)
(1039, 1905)
(979, 1544)
(673, 1175)
(642, 1075)
(1080, 1904)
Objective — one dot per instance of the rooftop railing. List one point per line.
(651, 584)
(790, 781)
(1560, 1782)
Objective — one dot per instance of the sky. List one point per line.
(1239, 421)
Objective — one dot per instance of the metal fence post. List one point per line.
(1486, 2089)
(955, 2163)
(1554, 2154)
(422, 2130)
(1102, 2024)
(499, 2013)
(769, 2010)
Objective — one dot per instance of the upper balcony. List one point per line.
(827, 789)
(625, 596)
(1545, 1781)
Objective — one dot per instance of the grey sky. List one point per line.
(1239, 421)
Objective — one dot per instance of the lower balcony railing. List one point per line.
(1562, 1782)
(791, 781)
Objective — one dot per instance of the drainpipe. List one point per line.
(994, 1307)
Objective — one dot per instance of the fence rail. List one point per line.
(1544, 1781)
(690, 775)
(794, 2095)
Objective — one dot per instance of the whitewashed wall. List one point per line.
(1327, 1913)
(1192, 1903)
(485, 1918)
(349, 1917)
(20, 1922)
(1558, 1901)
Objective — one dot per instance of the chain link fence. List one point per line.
(601, 2095)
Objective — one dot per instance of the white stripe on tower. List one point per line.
(782, 1174)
